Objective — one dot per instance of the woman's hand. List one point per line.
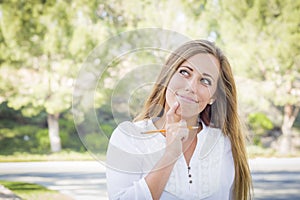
(177, 132)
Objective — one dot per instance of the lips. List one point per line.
(186, 98)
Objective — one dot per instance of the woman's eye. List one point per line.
(206, 81)
(184, 72)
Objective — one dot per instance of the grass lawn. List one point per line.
(253, 152)
(61, 156)
(257, 151)
(29, 191)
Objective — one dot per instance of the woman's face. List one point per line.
(193, 85)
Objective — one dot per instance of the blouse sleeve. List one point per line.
(124, 176)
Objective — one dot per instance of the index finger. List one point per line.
(171, 113)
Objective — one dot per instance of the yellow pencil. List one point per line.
(164, 130)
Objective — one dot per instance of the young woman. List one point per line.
(198, 150)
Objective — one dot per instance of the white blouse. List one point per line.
(132, 155)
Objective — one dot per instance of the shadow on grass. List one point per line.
(29, 191)
(21, 186)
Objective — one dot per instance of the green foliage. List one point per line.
(42, 140)
(44, 43)
(19, 186)
(107, 129)
(259, 123)
(26, 138)
(69, 136)
(96, 142)
(261, 38)
(106, 119)
(20, 134)
(34, 139)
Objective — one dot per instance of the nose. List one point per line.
(192, 85)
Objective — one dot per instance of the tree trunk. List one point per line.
(53, 128)
(290, 114)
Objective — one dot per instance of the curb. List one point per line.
(6, 194)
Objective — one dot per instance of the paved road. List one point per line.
(79, 180)
(274, 179)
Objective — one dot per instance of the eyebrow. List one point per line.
(203, 74)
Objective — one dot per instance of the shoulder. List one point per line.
(128, 136)
(125, 149)
(215, 141)
(219, 137)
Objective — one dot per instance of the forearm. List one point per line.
(159, 176)
(175, 135)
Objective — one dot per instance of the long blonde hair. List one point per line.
(222, 113)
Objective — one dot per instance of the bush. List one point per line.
(26, 138)
(259, 123)
(43, 141)
(19, 134)
(69, 137)
(34, 139)
(107, 129)
(96, 142)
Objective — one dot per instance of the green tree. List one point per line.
(262, 39)
(42, 45)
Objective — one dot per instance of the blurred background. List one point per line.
(44, 43)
